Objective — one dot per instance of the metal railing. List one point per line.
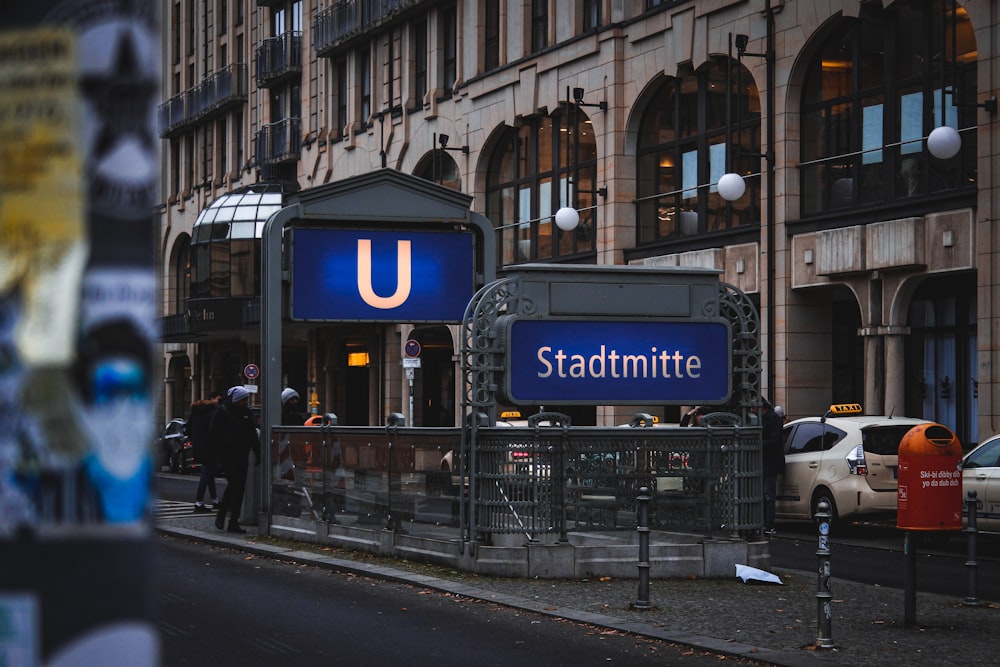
(278, 142)
(349, 18)
(219, 91)
(534, 482)
(277, 57)
(550, 480)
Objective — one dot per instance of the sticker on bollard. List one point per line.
(929, 494)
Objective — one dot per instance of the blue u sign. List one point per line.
(359, 274)
(618, 362)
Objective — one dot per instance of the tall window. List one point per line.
(539, 25)
(692, 133)
(591, 14)
(182, 274)
(222, 19)
(175, 167)
(238, 141)
(449, 49)
(222, 150)
(491, 35)
(192, 28)
(175, 30)
(364, 85)
(419, 62)
(547, 163)
(872, 92)
(340, 97)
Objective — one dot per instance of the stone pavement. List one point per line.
(763, 622)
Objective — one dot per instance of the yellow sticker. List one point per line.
(41, 177)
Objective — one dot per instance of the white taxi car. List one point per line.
(981, 473)
(844, 457)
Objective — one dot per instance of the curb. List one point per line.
(710, 644)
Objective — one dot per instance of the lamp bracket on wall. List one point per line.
(442, 141)
(741, 43)
(578, 94)
(990, 105)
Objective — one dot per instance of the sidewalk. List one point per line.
(768, 623)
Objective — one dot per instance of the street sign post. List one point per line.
(411, 360)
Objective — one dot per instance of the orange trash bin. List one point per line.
(929, 493)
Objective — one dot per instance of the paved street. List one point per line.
(222, 607)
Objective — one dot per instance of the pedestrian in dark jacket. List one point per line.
(291, 415)
(773, 451)
(234, 430)
(199, 424)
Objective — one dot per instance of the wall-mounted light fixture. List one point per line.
(568, 217)
(442, 141)
(944, 142)
(731, 185)
(578, 94)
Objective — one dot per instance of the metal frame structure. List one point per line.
(716, 468)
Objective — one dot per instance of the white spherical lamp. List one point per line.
(944, 142)
(567, 218)
(732, 186)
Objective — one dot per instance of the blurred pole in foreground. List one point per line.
(79, 164)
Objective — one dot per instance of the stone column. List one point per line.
(895, 370)
(874, 371)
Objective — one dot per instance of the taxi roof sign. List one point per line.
(845, 409)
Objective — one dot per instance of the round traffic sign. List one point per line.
(251, 371)
(412, 348)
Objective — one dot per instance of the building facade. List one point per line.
(872, 260)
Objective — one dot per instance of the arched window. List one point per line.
(688, 132)
(439, 167)
(874, 90)
(547, 163)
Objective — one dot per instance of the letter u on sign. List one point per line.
(404, 277)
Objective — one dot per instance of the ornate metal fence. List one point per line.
(551, 480)
(558, 478)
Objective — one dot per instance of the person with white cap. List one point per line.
(291, 415)
(235, 430)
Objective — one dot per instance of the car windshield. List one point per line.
(984, 457)
(884, 440)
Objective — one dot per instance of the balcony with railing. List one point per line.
(346, 19)
(278, 143)
(279, 58)
(219, 92)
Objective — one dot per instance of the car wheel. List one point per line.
(823, 494)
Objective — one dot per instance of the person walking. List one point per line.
(773, 450)
(291, 414)
(234, 430)
(198, 426)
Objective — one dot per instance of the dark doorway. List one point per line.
(434, 385)
(848, 362)
(356, 397)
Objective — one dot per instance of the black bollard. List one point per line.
(972, 599)
(642, 508)
(824, 596)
